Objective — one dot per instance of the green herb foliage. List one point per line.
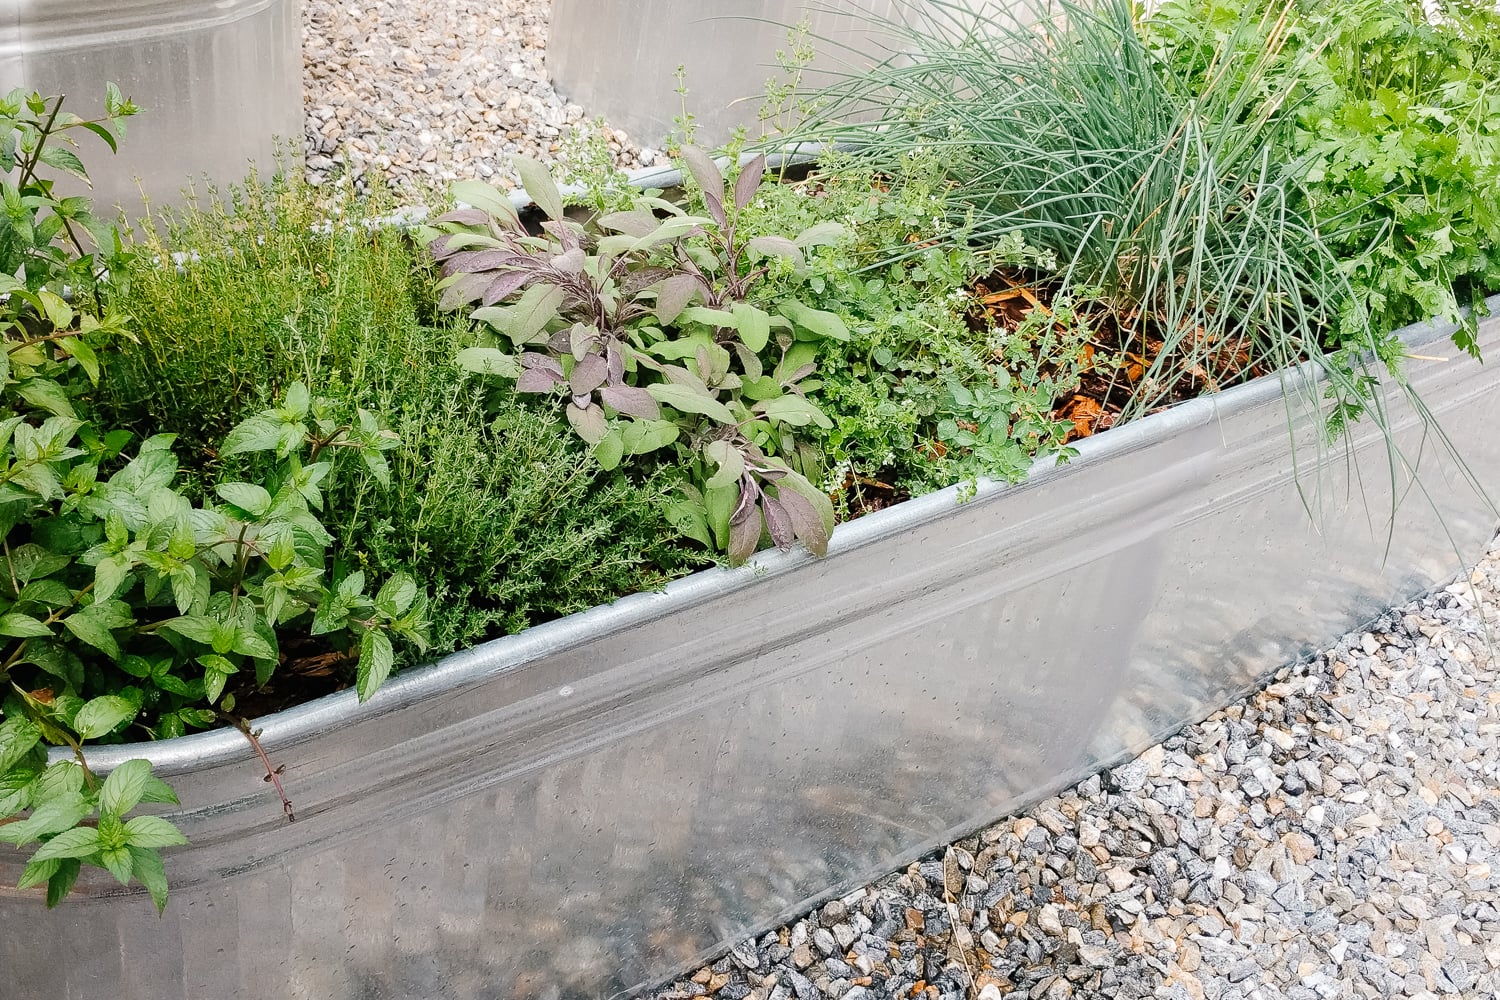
(1397, 136)
(914, 361)
(644, 330)
(123, 603)
(492, 505)
(1174, 200)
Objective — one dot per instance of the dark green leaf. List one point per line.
(61, 882)
(152, 874)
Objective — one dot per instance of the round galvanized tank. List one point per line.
(221, 82)
(619, 58)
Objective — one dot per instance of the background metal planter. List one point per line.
(619, 58)
(219, 81)
(589, 806)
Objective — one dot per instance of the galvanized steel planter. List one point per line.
(220, 81)
(619, 58)
(593, 804)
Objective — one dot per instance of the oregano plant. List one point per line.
(647, 329)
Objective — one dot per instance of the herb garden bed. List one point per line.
(597, 802)
(252, 456)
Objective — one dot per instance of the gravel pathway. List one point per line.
(1335, 835)
(433, 90)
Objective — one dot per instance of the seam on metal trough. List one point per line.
(510, 653)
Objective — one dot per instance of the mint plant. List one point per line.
(643, 328)
(47, 241)
(124, 604)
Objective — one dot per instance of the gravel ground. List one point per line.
(426, 91)
(1335, 835)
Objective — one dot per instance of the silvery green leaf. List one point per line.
(731, 464)
(688, 400)
(794, 410)
(538, 182)
(486, 197)
(488, 361)
(588, 422)
(777, 246)
(821, 234)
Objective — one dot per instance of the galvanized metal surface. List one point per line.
(220, 80)
(619, 58)
(591, 805)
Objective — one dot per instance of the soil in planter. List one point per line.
(1118, 352)
(309, 670)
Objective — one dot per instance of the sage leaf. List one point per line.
(688, 400)
(642, 436)
(488, 361)
(795, 410)
(748, 182)
(588, 422)
(706, 172)
(731, 464)
(754, 325)
(539, 185)
(744, 535)
(487, 198)
(777, 246)
(814, 321)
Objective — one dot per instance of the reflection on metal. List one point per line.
(220, 82)
(591, 805)
(619, 58)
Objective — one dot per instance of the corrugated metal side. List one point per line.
(589, 806)
(220, 82)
